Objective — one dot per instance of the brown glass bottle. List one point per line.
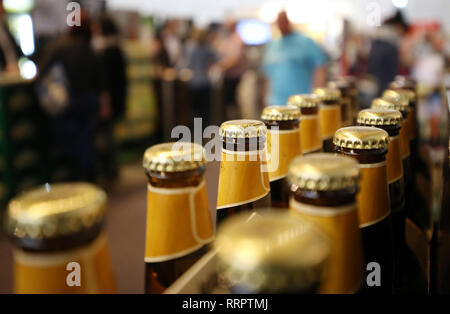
(311, 138)
(407, 86)
(415, 206)
(179, 225)
(283, 145)
(329, 115)
(408, 274)
(243, 179)
(368, 146)
(324, 188)
(346, 101)
(296, 265)
(389, 120)
(393, 104)
(353, 94)
(55, 227)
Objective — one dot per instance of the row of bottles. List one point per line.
(339, 190)
(364, 207)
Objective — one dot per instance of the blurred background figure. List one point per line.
(172, 41)
(161, 62)
(200, 60)
(74, 125)
(384, 57)
(233, 65)
(112, 100)
(430, 64)
(105, 91)
(293, 64)
(9, 50)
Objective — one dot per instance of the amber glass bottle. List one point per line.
(354, 96)
(283, 144)
(346, 101)
(243, 179)
(394, 102)
(369, 146)
(57, 228)
(415, 201)
(271, 253)
(329, 115)
(408, 274)
(407, 86)
(398, 101)
(410, 96)
(324, 188)
(311, 138)
(179, 225)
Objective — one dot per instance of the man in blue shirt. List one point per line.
(293, 64)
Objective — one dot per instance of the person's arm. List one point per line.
(319, 61)
(234, 53)
(320, 77)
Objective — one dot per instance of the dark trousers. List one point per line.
(201, 103)
(229, 96)
(106, 150)
(73, 135)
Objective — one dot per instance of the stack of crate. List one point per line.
(23, 140)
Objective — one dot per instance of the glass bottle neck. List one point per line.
(189, 178)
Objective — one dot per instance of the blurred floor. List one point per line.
(125, 228)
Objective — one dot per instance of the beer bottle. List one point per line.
(397, 101)
(408, 274)
(283, 138)
(400, 105)
(407, 87)
(346, 101)
(58, 228)
(369, 146)
(353, 95)
(329, 115)
(271, 253)
(414, 205)
(409, 98)
(178, 224)
(324, 188)
(311, 139)
(243, 178)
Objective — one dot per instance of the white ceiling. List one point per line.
(204, 11)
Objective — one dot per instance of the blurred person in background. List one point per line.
(112, 100)
(74, 126)
(232, 65)
(429, 66)
(172, 41)
(188, 42)
(293, 64)
(161, 62)
(384, 57)
(200, 60)
(9, 50)
(357, 51)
